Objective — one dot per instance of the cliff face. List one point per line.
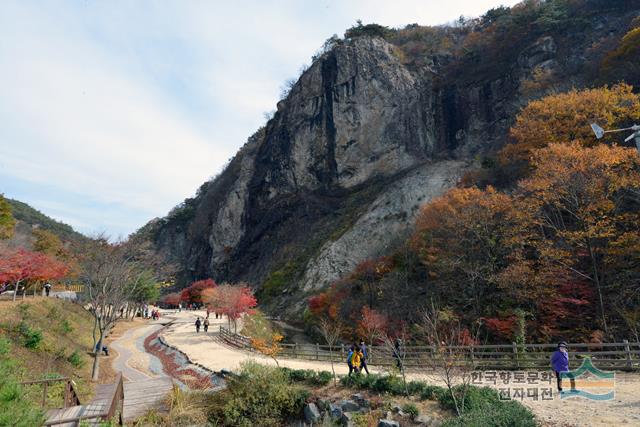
(361, 141)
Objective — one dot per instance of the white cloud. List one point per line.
(134, 104)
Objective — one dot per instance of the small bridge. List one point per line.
(124, 401)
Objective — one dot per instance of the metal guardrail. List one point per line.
(622, 356)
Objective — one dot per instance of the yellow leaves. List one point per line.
(566, 117)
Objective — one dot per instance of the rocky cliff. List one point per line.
(364, 137)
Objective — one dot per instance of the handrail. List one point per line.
(70, 397)
(115, 406)
(624, 355)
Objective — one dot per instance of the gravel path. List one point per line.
(133, 361)
(207, 350)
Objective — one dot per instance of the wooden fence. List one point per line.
(619, 356)
(69, 398)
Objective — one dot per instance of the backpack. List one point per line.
(349, 357)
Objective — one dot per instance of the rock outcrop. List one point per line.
(360, 142)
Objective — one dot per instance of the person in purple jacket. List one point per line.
(560, 364)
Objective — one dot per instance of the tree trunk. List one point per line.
(596, 278)
(15, 290)
(95, 372)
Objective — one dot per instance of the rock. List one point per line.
(311, 413)
(388, 423)
(361, 400)
(347, 419)
(349, 406)
(423, 419)
(335, 411)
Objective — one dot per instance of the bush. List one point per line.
(75, 359)
(415, 387)
(323, 378)
(15, 409)
(260, 395)
(65, 327)
(483, 407)
(432, 392)
(411, 409)
(501, 414)
(31, 337)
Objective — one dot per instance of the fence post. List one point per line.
(44, 394)
(341, 351)
(627, 349)
(515, 354)
(317, 351)
(295, 350)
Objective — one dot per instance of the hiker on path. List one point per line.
(398, 355)
(356, 359)
(198, 323)
(47, 288)
(350, 358)
(206, 324)
(365, 356)
(560, 365)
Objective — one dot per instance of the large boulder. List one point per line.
(311, 413)
(388, 423)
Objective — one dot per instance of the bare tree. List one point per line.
(451, 357)
(331, 330)
(394, 344)
(110, 274)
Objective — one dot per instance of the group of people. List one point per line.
(154, 313)
(357, 358)
(202, 323)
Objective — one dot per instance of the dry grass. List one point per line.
(185, 409)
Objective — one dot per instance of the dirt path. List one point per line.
(132, 360)
(209, 351)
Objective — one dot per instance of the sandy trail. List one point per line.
(207, 350)
(133, 361)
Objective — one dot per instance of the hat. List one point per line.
(562, 344)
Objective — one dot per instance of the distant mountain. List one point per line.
(28, 219)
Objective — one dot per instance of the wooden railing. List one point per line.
(115, 406)
(622, 356)
(70, 397)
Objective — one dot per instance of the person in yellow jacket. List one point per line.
(356, 359)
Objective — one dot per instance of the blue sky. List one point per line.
(112, 112)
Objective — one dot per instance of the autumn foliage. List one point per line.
(556, 256)
(193, 293)
(26, 266)
(230, 300)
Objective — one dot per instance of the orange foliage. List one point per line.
(566, 117)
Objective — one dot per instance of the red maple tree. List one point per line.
(193, 294)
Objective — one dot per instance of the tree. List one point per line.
(24, 266)
(230, 300)
(7, 221)
(111, 275)
(584, 215)
(372, 325)
(264, 338)
(331, 330)
(564, 118)
(145, 290)
(450, 359)
(47, 243)
(462, 239)
(193, 294)
(172, 299)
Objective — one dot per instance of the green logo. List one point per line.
(589, 382)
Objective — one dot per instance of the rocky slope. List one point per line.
(364, 137)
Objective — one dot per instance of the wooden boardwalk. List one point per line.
(139, 398)
(142, 396)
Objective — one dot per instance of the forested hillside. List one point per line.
(328, 193)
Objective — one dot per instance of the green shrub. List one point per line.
(323, 378)
(432, 392)
(31, 337)
(389, 384)
(76, 359)
(260, 395)
(501, 414)
(15, 409)
(302, 375)
(475, 398)
(5, 346)
(65, 327)
(415, 387)
(411, 409)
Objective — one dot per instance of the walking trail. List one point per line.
(133, 361)
(209, 351)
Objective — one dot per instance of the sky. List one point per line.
(112, 112)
